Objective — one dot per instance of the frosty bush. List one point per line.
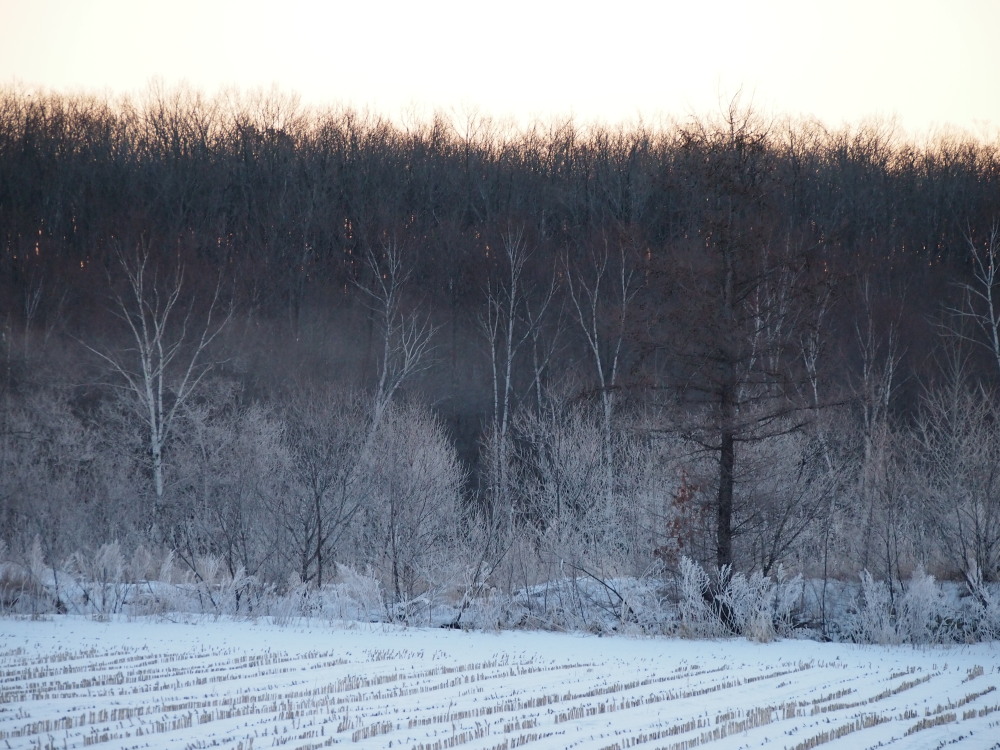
(982, 611)
(579, 603)
(20, 592)
(923, 614)
(698, 618)
(354, 596)
(874, 621)
(152, 564)
(989, 611)
(918, 614)
(358, 596)
(756, 606)
(100, 578)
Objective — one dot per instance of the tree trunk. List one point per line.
(724, 526)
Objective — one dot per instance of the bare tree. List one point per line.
(505, 334)
(46, 464)
(502, 327)
(333, 432)
(328, 433)
(982, 295)
(790, 482)
(168, 356)
(874, 389)
(231, 466)
(408, 529)
(405, 336)
(958, 452)
(602, 316)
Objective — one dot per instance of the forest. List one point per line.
(244, 337)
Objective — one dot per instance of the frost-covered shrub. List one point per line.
(354, 596)
(644, 606)
(243, 595)
(581, 603)
(357, 596)
(759, 607)
(747, 603)
(923, 615)
(151, 564)
(980, 613)
(698, 619)
(489, 611)
(755, 605)
(874, 622)
(918, 613)
(99, 576)
(989, 599)
(20, 591)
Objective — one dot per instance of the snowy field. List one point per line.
(70, 682)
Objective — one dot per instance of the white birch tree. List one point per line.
(601, 303)
(167, 356)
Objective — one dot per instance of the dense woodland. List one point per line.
(464, 357)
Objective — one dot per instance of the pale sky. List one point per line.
(931, 64)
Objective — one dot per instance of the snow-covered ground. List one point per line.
(70, 681)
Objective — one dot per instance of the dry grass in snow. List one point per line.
(72, 682)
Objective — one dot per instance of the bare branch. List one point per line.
(155, 387)
(406, 337)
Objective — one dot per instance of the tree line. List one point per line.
(464, 355)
